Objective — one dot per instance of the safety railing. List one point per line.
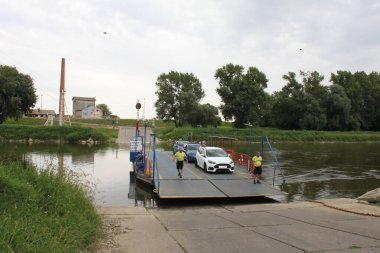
(245, 160)
(156, 175)
(277, 164)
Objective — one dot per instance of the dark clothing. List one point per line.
(179, 165)
(257, 171)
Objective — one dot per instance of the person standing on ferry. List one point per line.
(257, 163)
(180, 156)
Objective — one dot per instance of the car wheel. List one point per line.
(196, 163)
(205, 167)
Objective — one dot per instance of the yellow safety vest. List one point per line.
(257, 161)
(180, 156)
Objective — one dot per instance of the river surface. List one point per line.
(312, 170)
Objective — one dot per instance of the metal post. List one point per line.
(250, 151)
(201, 136)
(154, 155)
(138, 107)
(262, 145)
(250, 142)
(200, 126)
(144, 145)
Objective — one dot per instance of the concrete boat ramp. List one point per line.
(198, 184)
(278, 227)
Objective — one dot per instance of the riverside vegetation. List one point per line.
(45, 211)
(101, 130)
(171, 133)
(34, 129)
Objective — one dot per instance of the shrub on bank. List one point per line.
(45, 211)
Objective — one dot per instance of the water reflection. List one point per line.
(313, 170)
(103, 168)
(142, 195)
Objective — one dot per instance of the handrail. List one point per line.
(277, 164)
(156, 175)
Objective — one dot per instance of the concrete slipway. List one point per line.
(279, 227)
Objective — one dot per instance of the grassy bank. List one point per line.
(172, 133)
(65, 133)
(75, 122)
(44, 212)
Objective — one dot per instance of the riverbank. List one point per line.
(70, 134)
(45, 211)
(168, 133)
(103, 130)
(277, 227)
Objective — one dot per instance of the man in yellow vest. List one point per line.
(180, 156)
(257, 162)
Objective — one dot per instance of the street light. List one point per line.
(250, 137)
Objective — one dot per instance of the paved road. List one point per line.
(284, 227)
(125, 133)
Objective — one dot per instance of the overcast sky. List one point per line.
(146, 38)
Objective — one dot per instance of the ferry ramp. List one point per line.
(195, 183)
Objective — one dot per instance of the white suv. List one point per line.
(213, 159)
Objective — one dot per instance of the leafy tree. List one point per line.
(204, 114)
(17, 93)
(364, 92)
(315, 94)
(371, 112)
(242, 94)
(105, 110)
(300, 105)
(178, 94)
(338, 107)
(288, 106)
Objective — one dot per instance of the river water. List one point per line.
(312, 170)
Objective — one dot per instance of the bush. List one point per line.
(45, 211)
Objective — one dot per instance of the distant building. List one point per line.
(83, 103)
(91, 112)
(40, 113)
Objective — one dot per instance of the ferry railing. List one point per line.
(156, 175)
(277, 164)
(245, 160)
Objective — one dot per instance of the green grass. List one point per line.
(167, 131)
(172, 133)
(42, 211)
(66, 133)
(93, 122)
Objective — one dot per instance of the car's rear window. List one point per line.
(192, 147)
(182, 143)
(216, 153)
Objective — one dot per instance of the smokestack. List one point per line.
(62, 86)
(62, 93)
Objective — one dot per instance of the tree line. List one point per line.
(17, 93)
(350, 101)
